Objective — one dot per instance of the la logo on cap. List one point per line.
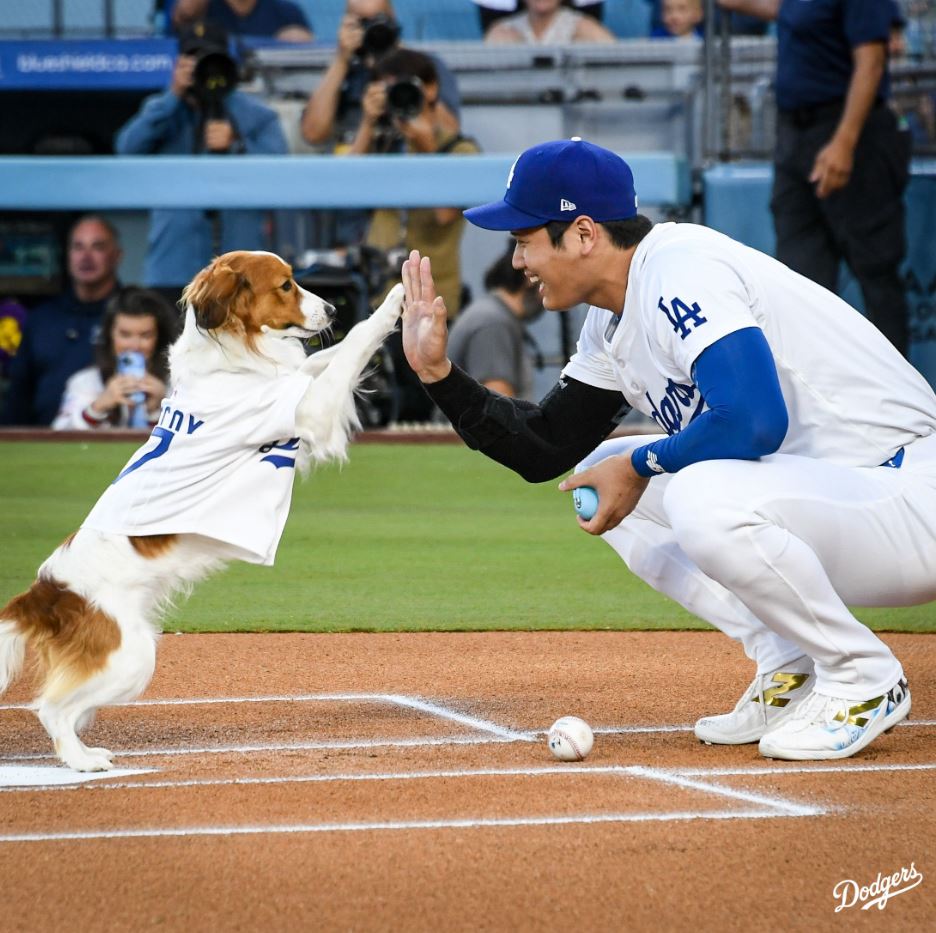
(565, 205)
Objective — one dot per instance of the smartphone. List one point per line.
(133, 363)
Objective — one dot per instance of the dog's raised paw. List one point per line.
(393, 303)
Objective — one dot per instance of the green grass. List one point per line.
(421, 537)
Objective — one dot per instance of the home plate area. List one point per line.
(354, 762)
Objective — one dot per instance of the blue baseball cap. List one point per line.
(561, 180)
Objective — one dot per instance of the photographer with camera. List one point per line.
(368, 31)
(402, 103)
(202, 112)
(334, 112)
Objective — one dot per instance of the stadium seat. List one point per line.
(83, 19)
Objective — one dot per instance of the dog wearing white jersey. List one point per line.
(212, 483)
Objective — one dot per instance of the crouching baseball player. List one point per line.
(796, 471)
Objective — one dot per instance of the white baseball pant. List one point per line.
(770, 552)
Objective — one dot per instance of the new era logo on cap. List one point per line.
(559, 181)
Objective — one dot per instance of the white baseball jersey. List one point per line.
(773, 551)
(214, 468)
(851, 398)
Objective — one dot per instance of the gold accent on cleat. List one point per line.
(788, 682)
(853, 718)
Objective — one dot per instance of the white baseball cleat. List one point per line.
(828, 727)
(770, 699)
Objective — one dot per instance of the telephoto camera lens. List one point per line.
(214, 78)
(381, 33)
(405, 98)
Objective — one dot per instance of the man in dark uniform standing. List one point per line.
(841, 163)
(60, 335)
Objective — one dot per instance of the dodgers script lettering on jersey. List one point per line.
(689, 286)
(680, 405)
(214, 469)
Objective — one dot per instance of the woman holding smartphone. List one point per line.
(130, 379)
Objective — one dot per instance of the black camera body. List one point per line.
(381, 33)
(405, 98)
(215, 76)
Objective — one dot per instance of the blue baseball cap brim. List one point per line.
(501, 215)
(561, 180)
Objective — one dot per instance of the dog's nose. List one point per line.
(330, 312)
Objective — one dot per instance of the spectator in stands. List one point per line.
(202, 112)
(842, 161)
(279, 19)
(490, 11)
(101, 396)
(489, 339)
(739, 23)
(59, 335)
(547, 22)
(403, 101)
(333, 115)
(682, 19)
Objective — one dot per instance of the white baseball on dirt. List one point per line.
(570, 738)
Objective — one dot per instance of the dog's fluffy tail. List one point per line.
(12, 652)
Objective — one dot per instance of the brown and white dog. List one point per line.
(212, 483)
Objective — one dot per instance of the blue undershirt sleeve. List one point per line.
(746, 417)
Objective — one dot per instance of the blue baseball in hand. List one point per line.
(585, 500)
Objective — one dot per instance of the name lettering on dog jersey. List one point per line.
(171, 422)
(680, 314)
(669, 412)
(174, 419)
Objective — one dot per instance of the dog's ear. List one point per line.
(212, 293)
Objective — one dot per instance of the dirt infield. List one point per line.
(402, 782)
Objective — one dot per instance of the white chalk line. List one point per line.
(561, 770)
(816, 768)
(395, 699)
(391, 826)
(628, 730)
(786, 807)
(443, 712)
(288, 747)
(772, 803)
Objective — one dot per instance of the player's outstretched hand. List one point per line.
(425, 329)
(619, 487)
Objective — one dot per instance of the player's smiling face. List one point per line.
(552, 269)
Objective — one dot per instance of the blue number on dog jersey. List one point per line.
(680, 313)
(164, 439)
